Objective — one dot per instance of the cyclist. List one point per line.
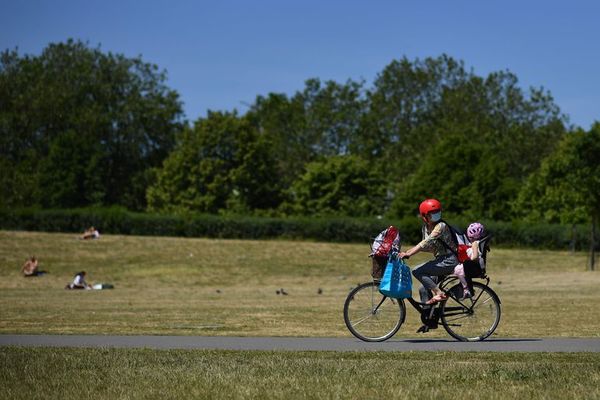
(437, 239)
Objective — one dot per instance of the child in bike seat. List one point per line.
(475, 232)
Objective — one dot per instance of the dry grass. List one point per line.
(228, 287)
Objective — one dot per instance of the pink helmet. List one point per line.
(475, 231)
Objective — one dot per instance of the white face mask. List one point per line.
(435, 217)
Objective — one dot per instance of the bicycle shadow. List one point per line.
(441, 340)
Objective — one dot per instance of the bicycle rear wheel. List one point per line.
(371, 316)
(474, 319)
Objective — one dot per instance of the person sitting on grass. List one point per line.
(90, 233)
(79, 282)
(31, 268)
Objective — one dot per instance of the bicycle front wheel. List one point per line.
(371, 316)
(474, 319)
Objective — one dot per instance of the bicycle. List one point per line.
(373, 317)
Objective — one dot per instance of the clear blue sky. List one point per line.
(222, 54)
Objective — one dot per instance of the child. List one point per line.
(475, 232)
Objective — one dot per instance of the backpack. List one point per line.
(461, 243)
(387, 240)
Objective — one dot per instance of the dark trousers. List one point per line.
(429, 272)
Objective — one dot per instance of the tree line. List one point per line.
(82, 127)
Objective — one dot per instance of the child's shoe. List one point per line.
(467, 294)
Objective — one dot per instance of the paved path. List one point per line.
(297, 344)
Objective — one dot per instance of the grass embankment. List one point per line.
(174, 374)
(228, 287)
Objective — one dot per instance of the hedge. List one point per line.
(354, 230)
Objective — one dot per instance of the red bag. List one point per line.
(462, 253)
(385, 241)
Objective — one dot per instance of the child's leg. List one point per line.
(459, 271)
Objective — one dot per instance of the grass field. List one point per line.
(228, 287)
(43, 373)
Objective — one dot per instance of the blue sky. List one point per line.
(220, 55)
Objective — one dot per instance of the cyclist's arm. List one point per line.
(425, 244)
(411, 252)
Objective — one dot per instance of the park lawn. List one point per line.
(71, 373)
(189, 286)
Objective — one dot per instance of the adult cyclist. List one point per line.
(437, 239)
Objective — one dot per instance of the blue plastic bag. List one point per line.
(397, 280)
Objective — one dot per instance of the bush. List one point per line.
(117, 220)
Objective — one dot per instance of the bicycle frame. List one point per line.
(444, 284)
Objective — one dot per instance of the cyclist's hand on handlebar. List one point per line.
(404, 255)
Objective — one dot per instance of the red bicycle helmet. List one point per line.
(429, 206)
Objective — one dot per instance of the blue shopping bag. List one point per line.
(397, 280)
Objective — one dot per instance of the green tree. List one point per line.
(566, 188)
(68, 175)
(319, 121)
(256, 186)
(333, 115)
(469, 178)
(339, 185)
(282, 121)
(401, 108)
(119, 107)
(221, 164)
(478, 141)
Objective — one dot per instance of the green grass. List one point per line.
(228, 287)
(48, 373)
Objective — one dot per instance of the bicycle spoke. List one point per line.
(360, 321)
(471, 322)
(457, 317)
(369, 316)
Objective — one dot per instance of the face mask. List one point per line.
(435, 217)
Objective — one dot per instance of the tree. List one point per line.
(68, 176)
(339, 185)
(256, 186)
(320, 121)
(401, 108)
(468, 176)
(281, 120)
(566, 188)
(116, 106)
(471, 141)
(220, 165)
(333, 114)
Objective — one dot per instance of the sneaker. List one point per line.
(467, 294)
